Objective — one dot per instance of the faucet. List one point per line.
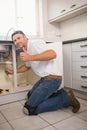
(9, 32)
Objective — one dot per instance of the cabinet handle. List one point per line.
(83, 46)
(83, 67)
(72, 6)
(83, 86)
(84, 56)
(84, 77)
(62, 11)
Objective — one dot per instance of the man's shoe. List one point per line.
(28, 96)
(73, 102)
(26, 109)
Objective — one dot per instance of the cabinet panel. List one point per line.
(67, 66)
(79, 56)
(79, 46)
(82, 76)
(79, 66)
(80, 85)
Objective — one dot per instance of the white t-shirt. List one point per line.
(44, 68)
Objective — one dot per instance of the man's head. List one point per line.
(19, 38)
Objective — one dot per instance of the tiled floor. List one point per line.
(12, 118)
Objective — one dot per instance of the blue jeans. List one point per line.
(40, 96)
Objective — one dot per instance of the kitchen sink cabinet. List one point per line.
(8, 57)
(9, 89)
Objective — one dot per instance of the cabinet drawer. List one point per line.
(79, 66)
(79, 85)
(79, 56)
(79, 46)
(80, 76)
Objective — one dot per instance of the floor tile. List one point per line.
(83, 115)
(2, 119)
(72, 123)
(49, 128)
(13, 112)
(29, 123)
(22, 101)
(53, 117)
(13, 118)
(5, 126)
(82, 101)
(9, 105)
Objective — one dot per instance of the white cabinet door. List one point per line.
(74, 4)
(67, 65)
(56, 8)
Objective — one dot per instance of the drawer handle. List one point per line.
(84, 56)
(84, 77)
(83, 46)
(83, 86)
(72, 6)
(83, 67)
(62, 11)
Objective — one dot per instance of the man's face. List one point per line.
(19, 40)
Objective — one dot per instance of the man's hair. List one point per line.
(17, 32)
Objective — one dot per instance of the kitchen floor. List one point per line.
(13, 118)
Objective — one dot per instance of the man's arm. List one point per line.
(21, 69)
(44, 56)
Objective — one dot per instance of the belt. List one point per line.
(53, 76)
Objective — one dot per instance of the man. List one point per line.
(46, 63)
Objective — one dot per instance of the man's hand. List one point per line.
(24, 56)
(8, 71)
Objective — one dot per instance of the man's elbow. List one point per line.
(54, 54)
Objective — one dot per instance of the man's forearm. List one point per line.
(44, 56)
(22, 68)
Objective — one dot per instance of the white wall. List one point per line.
(50, 32)
(74, 28)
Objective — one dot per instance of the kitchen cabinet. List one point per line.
(8, 83)
(55, 8)
(12, 91)
(79, 65)
(75, 64)
(8, 56)
(64, 9)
